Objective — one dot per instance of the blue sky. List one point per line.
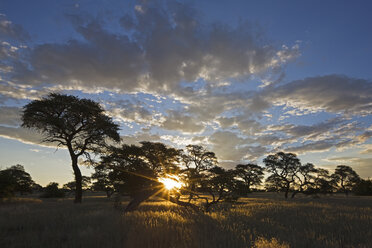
(244, 78)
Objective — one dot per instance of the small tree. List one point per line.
(15, 179)
(363, 187)
(345, 177)
(78, 124)
(251, 174)
(52, 191)
(103, 180)
(71, 186)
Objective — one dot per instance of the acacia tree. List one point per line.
(102, 180)
(283, 168)
(305, 179)
(138, 168)
(197, 160)
(345, 178)
(323, 183)
(15, 179)
(78, 124)
(251, 174)
(140, 171)
(221, 185)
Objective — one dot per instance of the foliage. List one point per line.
(52, 191)
(221, 185)
(103, 180)
(135, 169)
(78, 124)
(251, 174)
(283, 168)
(37, 187)
(71, 186)
(363, 187)
(197, 161)
(15, 179)
(289, 175)
(345, 178)
(322, 184)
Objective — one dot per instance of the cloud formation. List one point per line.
(158, 48)
(330, 93)
(9, 30)
(213, 84)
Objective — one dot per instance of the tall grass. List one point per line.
(260, 221)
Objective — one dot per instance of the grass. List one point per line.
(263, 220)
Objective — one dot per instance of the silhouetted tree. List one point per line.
(363, 187)
(323, 183)
(15, 179)
(36, 187)
(197, 160)
(283, 168)
(251, 174)
(304, 179)
(71, 186)
(345, 177)
(78, 124)
(138, 169)
(103, 180)
(52, 191)
(221, 185)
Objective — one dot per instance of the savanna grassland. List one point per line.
(262, 220)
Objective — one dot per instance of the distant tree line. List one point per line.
(134, 170)
(138, 170)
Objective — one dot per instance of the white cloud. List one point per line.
(161, 51)
(362, 166)
(331, 93)
(184, 123)
(10, 116)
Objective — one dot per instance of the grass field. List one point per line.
(262, 220)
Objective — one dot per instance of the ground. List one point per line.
(261, 220)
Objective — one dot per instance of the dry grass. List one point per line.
(263, 220)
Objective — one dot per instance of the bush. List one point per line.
(15, 179)
(52, 191)
(363, 187)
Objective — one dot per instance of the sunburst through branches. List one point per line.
(171, 182)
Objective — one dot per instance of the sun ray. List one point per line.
(171, 182)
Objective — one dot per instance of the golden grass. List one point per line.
(263, 220)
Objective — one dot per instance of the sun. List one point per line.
(171, 182)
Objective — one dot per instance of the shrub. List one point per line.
(363, 187)
(52, 191)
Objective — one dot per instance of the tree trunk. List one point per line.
(286, 193)
(180, 203)
(78, 180)
(293, 194)
(145, 195)
(138, 199)
(109, 193)
(191, 195)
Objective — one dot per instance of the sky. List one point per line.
(243, 78)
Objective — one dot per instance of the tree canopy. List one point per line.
(15, 179)
(78, 124)
(345, 178)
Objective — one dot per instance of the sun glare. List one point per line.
(171, 182)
